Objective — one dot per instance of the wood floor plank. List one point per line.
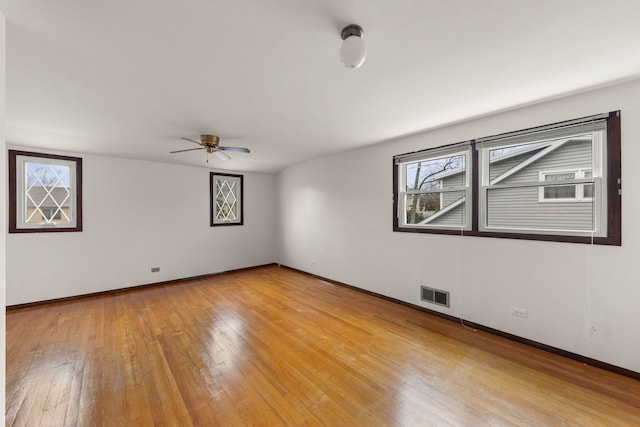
(271, 346)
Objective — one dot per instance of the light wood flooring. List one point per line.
(273, 347)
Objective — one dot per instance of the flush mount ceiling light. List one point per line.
(353, 50)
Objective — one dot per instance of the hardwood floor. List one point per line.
(274, 347)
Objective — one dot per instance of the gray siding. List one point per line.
(453, 181)
(498, 168)
(572, 155)
(519, 207)
(454, 218)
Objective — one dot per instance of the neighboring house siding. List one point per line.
(453, 181)
(453, 218)
(40, 197)
(569, 156)
(519, 207)
(37, 216)
(501, 166)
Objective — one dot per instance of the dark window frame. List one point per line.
(613, 205)
(212, 177)
(470, 165)
(13, 211)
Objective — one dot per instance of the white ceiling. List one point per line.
(129, 78)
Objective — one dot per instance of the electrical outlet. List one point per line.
(519, 312)
(155, 269)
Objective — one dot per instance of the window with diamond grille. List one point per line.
(226, 199)
(45, 192)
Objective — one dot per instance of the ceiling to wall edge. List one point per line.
(437, 127)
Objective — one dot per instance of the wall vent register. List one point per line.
(435, 296)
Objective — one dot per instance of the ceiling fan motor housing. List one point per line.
(210, 140)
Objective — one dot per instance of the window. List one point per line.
(566, 193)
(434, 188)
(226, 199)
(559, 182)
(537, 187)
(45, 192)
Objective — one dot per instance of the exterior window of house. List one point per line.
(587, 189)
(432, 189)
(560, 182)
(566, 193)
(45, 192)
(226, 199)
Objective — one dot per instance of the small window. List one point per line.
(563, 190)
(45, 192)
(587, 189)
(226, 199)
(433, 189)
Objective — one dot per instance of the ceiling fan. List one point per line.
(211, 144)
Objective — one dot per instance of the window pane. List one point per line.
(559, 176)
(226, 200)
(432, 173)
(512, 150)
(47, 193)
(588, 191)
(436, 209)
(522, 163)
(588, 188)
(503, 159)
(560, 192)
(519, 208)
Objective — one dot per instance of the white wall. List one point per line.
(3, 209)
(138, 215)
(336, 221)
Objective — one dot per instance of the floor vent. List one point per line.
(435, 296)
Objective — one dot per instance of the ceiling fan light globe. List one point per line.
(353, 52)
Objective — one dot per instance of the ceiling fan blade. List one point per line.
(188, 149)
(222, 155)
(236, 149)
(196, 142)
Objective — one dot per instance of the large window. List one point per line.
(557, 182)
(45, 192)
(226, 199)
